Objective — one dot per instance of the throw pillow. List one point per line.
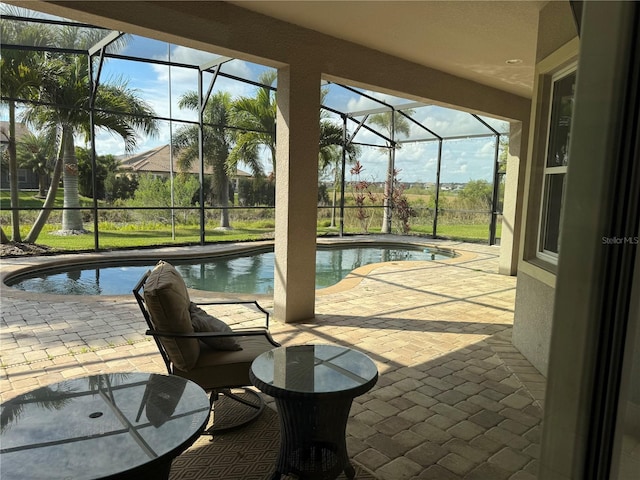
(203, 322)
(167, 299)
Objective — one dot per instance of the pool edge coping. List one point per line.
(12, 266)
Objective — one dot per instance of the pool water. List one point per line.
(243, 273)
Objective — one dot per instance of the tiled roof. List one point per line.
(157, 160)
(21, 131)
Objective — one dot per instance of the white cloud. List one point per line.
(417, 162)
(360, 102)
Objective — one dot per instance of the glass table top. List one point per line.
(97, 426)
(314, 369)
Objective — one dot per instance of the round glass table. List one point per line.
(313, 387)
(120, 425)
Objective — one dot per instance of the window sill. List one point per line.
(540, 270)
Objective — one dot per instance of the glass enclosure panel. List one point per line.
(371, 135)
(422, 223)
(366, 219)
(248, 71)
(499, 219)
(142, 48)
(417, 164)
(446, 122)
(500, 126)
(416, 131)
(197, 58)
(370, 99)
(337, 97)
(463, 225)
(154, 179)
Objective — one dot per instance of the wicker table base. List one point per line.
(313, 387)
(313, 444)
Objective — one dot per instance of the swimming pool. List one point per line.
(250, 272)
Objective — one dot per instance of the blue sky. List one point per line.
(462, 160)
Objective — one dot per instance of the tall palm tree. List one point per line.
(392, 125)
(21, 72)
(256, 116)
(217, 141)
(256, 119)
(330, 156)
(37, 153)
(65, 110)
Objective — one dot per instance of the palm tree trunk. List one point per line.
(13, 175)
(335, 195)
(386, 211)
(43, 216)
(273, 158)
(71, 215)
(224, 203)
(42, 185)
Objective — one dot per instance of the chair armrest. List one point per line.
(197, 335)
(240, 302)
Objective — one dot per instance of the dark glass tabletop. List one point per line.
(99, 426)
(314, 369)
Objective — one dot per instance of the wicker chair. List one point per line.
(221, 365)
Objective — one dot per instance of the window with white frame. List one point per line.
(556, 164)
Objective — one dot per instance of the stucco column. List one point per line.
(297, 136)
(513, 199)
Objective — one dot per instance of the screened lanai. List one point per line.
(387, 164)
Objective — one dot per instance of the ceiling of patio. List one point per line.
(470, 39)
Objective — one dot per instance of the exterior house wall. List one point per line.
(535, 292)
(534, 311)
(27, 180)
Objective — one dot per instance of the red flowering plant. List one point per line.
(362, 193)
(400, 204)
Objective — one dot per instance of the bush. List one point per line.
(156, 192)
(258, 191)
(119, 187)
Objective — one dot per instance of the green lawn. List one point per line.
(137, 233)
(467, 232)
(128, 237)
(28, 200)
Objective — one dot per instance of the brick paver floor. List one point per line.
(455, 399)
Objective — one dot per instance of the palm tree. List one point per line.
(256, 116)
(65, 110)
(21, 72)
(256, 119)
(392, 124)
(37, 153)
(217, 140)
(330, 156)
(42, 398)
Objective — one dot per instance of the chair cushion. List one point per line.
(226, 368)
(167, 299)
(203, 322)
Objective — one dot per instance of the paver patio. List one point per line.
(455, 399)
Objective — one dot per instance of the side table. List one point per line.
(313, 387)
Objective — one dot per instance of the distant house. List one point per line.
(27, 179)
(157, 162)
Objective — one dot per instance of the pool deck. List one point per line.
(455, 399)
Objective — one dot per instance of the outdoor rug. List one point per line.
(248, 453)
